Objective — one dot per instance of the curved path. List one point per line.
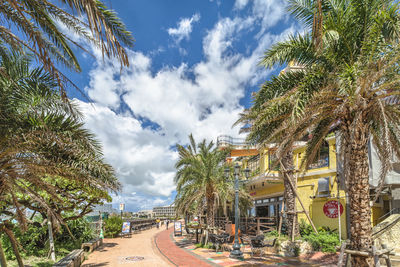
(176, 255)
(114, 252)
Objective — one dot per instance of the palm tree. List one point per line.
(351, 83)
(37, 26)
(43, 145)
(200, 176)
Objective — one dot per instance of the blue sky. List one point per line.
(192, 70)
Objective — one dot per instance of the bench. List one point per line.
(73, 259)
(92, 245)
(125, 234)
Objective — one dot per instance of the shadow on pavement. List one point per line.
(105, 246)
(96, 264)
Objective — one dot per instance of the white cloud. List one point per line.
(203, 99)
(240, 4)
(184, 28)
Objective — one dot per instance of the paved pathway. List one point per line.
(115, 252)
(176, 255)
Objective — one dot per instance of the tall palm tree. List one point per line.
(200, 176)
(37, 26)
(201, 183)
(351, 81)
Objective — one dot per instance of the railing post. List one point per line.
(258, 226)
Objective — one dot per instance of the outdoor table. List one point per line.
(197, 231)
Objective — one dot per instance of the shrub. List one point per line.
(113, 226)
(34, 240)
(326, 240)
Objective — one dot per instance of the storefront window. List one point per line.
(271, 210)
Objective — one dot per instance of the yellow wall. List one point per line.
(307, 188)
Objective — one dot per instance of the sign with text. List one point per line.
(177, 228)
(121, 206)
(126, 227)
(331, 209)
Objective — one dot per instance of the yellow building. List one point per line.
(317, 186)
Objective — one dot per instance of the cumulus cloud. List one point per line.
(140, 114)
(184, 28)
(240, 4)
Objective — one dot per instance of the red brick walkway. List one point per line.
(176, 255)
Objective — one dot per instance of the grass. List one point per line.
(34, 262)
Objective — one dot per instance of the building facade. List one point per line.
(165, 211)
(319, 188)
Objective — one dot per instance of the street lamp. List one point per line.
(236, 253)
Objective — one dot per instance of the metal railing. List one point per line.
(384, 216)
(226, 140)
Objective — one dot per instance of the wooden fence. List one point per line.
(249, 225)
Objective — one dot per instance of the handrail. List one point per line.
(392, 211)
(226, 140)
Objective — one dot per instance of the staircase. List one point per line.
(387, 232)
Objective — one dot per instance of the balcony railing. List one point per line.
(226, 140)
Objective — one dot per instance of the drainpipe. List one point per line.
(338, 206)
(348, 216)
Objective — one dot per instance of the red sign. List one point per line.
(252, 193)
(331, 209)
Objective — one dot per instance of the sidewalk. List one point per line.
(138, 250)
(176, 255)
(181, 251)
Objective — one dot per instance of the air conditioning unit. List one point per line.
(323, 187)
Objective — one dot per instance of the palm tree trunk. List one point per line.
(3, 262)
(357, 177)
(287, 172)
(210, 211)
(210, 199)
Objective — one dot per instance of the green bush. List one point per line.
(113, 226)
(34, 241)
(326, 240)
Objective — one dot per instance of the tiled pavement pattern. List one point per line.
(182, 252)
(176, 255)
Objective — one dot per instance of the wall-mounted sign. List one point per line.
(331, 209)
(252, 193)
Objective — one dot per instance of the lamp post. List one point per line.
(236, 253)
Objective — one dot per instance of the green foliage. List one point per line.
(208, 245)
(81, 232)
(326, 240)
(113, 226)
(34, 240)
(273, 233)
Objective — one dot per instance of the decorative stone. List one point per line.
(293, 249)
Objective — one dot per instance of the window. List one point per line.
(254, 165)
(323, 187)
(273, 164)
(322, 158)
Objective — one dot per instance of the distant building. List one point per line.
(145, 214)
(103, 209)
(166, 211)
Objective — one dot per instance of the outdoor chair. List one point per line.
(219, 240)
(257, 244)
